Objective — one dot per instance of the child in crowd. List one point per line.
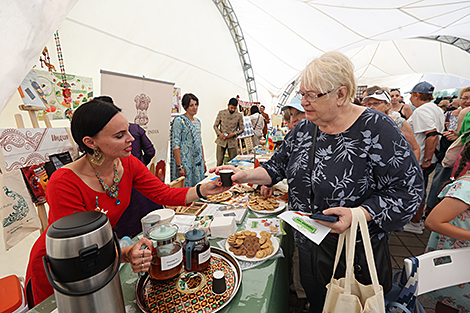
(449, 222)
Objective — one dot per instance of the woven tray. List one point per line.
(190, 291)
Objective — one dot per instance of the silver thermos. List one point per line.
(81, 264)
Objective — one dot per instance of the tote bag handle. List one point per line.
(358, 217)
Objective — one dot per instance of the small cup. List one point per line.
(149, 221)
(218, 282)
(226, 177)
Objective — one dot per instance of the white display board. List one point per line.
(146, 102)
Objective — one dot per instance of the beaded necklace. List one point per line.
(114, 189)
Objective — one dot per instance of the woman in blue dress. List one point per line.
(187, 157)
(450, 225)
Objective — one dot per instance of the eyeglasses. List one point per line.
(464, 99)
(311, 96)
(369, 104)
(378, 92)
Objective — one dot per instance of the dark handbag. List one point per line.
(323, 255)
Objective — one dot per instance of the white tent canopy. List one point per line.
(187, 42)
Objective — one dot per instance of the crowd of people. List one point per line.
(376, 153)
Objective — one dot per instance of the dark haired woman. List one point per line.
(102, 180)
(449, 222)
(187, 158)
(404, 110)
(257, 121)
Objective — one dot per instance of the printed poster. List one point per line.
(32, 146)
(31, 92)
(146, 102)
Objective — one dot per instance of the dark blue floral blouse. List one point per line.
(370, 165)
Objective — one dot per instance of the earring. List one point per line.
(97, 158)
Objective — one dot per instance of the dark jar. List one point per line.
(197, 251)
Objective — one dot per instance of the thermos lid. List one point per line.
(162, 232)
(77, 224)
(195, 234)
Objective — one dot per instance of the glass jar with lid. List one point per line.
(197, 250)
(167, 253)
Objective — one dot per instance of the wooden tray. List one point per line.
(173, 294)
(194, 209)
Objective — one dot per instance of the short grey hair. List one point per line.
(329, 72)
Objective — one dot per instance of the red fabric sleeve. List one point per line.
(152, 187)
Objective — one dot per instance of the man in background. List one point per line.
(227, 126)
(266, 120)
(427, 123)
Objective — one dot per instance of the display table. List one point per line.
(264, 288)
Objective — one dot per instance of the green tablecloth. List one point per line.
(264, 288)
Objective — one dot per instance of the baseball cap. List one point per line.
(422, 87)
(379, 95)
(294, 103)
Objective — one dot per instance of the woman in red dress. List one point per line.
(102, 179)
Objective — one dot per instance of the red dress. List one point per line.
(67, 194)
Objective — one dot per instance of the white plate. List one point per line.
(280, 208)
(207, 201)
(274, 241)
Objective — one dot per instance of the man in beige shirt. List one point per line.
(228, 125)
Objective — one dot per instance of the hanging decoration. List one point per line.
(66, 92)
(46, 60)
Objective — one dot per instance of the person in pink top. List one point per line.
(101, 180)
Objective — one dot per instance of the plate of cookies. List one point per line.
(252, 246)
(224, 196)
(261, 205)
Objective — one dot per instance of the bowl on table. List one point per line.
(166, 215)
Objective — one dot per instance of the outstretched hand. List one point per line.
(238, 177)
(214, 187)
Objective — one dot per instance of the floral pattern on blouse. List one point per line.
(371, 164)
(456, 296)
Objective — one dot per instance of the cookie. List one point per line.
(260, 254)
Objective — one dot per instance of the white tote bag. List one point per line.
(347, 294)
(17, 211)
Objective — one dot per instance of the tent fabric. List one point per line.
(187, 42)
(26, 27)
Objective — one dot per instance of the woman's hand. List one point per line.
(213, 187)
(238, 177)
(182, 172)
(344, 222)
(266, 192)
(451, 135)
(140, 259)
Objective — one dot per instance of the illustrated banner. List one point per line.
(81, 89)
(32, 146)
(17, 211)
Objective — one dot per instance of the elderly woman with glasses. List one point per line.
(380, 100)
(360, 159)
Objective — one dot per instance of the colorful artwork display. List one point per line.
(51, 83)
